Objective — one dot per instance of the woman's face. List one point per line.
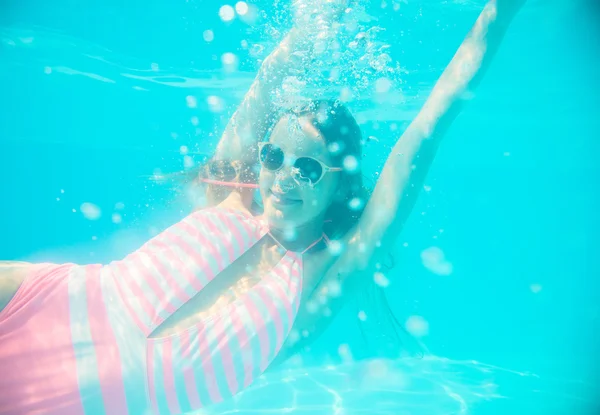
(288, 204)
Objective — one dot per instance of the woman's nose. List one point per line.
(284, 180)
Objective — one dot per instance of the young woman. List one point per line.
(202, 309)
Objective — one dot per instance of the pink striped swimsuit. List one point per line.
(74, 340)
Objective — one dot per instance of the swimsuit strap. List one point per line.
(321, 238)
(230, 184)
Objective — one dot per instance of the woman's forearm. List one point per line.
(252, 118)
(406, 168)
(466, 69)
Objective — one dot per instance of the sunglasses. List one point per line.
(225, 173)
(305, 170)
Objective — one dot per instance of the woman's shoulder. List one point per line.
(12, 275)
(229, 215)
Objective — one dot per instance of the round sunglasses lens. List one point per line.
(271, 157)
(222, 170)
(309, 169)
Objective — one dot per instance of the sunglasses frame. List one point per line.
(324, 167)
(237, 167)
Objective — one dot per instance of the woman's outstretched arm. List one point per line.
(405, 170)
(250, 122)
(406, 167)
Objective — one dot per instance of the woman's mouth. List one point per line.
(282, 199)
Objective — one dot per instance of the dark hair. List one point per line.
(343, 138)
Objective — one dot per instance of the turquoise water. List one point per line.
(497, 262)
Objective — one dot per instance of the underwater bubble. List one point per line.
(290, 234)
(94, 238)
(334, 74)
(383, 85)
(294, 336)
(427, 188)
(362, 316)
(188, 162)
(417, 326)
(345, 94)
(90, 211)
(154, 67)
(226, 13)
(183, 150)
(356, 203)
(208, 35)
(73, 210)
(350, 164)
(191, 101)
(241, 7)
(322, 299)
(244, 44)
(434, 260)
(535, 288)
(47, 70)
(229, 61)
(334, 288)
(506, 154)
(381, 279)
(195, 121)
(312, 307)
(250, 17)
(116, 218)
(335, 248)
(228, 58)
(327, 312)
(215, 104)
(334, 148)
(344, 352)
(62, 191)
(58, 199)
(119, 206)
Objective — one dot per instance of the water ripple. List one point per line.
(428, 386)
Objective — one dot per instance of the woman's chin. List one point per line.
(281, 215)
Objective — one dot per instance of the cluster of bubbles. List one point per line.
(93, 212)
(350, 62)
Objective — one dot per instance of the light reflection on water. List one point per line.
(428, 386)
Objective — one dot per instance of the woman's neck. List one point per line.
(298, 238)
